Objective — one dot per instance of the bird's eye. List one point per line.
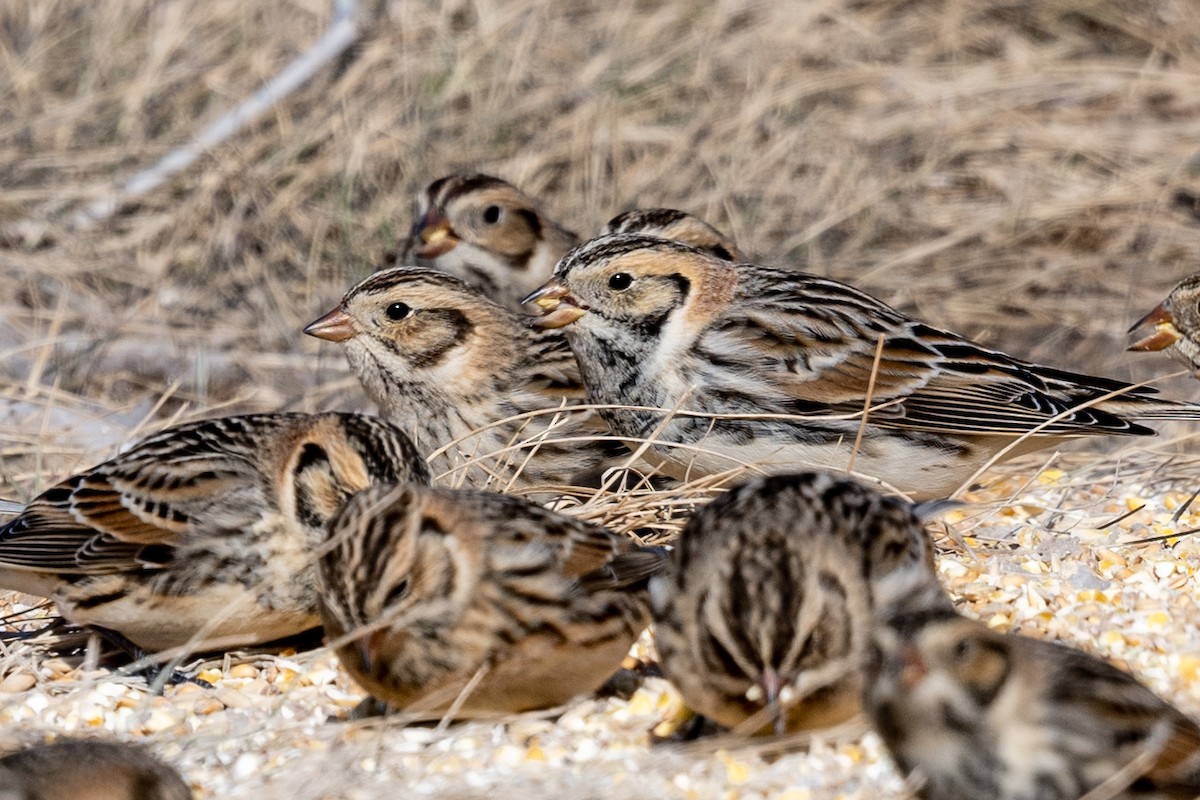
(491, 215)
(620, 281)
(397, 593)
(398, 311)
(963, 650)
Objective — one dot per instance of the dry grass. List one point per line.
(1010, 172)
(1024, 171)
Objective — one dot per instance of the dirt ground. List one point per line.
(1023, 171)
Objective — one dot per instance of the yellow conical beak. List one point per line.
(1164, 334)
(436, 235)
(558, 307)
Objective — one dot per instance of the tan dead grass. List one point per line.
(1024, 171)
(1007, 169)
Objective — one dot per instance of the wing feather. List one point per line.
(814, 344)
(107, 519)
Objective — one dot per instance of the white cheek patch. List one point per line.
(453, 366)
(675, 340)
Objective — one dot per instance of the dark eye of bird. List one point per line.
(963, 650)
(620, 281)
(397, 593)
(398, 311)
(491, 215)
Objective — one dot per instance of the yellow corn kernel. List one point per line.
(737, 772)
(210, 675)
(1112, 639)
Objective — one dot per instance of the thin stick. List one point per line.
(1002, 452)
(43, 356)
(862, 425)
(343, 31)
(1119, 781)
(1179, 512)
(456, 707)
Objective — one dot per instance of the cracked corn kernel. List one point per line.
(643, 703)
(1163, 569)
(18, 682)
(736, 771)
(1159, 619)
(953, 569)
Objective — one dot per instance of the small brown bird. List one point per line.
(478, 602)
(992, 716)
(468, 380)
(88, 769)
(1176, 324)
(764, 617)
(486, 232)
(205, 531)
(678, 226)
(728, 364)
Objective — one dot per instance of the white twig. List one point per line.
(343, 31)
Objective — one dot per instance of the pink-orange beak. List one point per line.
(772, 686)
(436, 235)
(912, 667)
(367, 647)
(336, 326)
(1164, 334)
(558, 307)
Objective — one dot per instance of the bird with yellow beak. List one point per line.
(1174, 325)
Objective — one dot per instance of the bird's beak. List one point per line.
(436, 235)
(912, 667)
(336, 326)
(771, 686)
(558, 307)
(367, 647)
(1164, 335)
(366, 654)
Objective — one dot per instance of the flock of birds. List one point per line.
(797, 600)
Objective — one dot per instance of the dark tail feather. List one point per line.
(631, 571)
(1157, 409)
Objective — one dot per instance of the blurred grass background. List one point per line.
(1022, 171)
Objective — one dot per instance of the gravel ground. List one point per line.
(1052, 551)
